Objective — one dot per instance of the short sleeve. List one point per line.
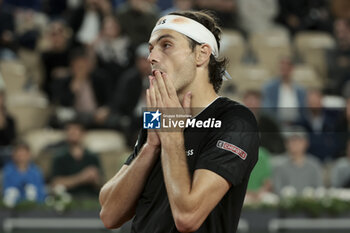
(232, 151)
(138, 145)
(95, 160)
(57, 166)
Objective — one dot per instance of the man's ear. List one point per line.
(203, 54)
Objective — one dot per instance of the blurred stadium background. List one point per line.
(72, 74)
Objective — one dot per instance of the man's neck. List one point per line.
(202, 95)
(298, 159)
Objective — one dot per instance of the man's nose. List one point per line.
(153, 57)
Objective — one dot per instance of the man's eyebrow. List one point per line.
(162, 37)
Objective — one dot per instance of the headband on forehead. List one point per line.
(190, 28)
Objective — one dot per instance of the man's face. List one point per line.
(286, 67)
(74, 134)
(170, 53)
(111, 28)
(81, 65)
(314, 99)
(21, 155)
(252, 101)
(297, 145)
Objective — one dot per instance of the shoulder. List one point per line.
(235, 115)
(61, 154)
(238, 127)
(272, 84)
(342, 163)
(35, 169)
(9, 167)
(313, 162)
(91, 158)
(90, 155)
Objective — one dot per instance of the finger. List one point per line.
(157, 92)
(148, 99)
(170, 86)
(161, 85)
(186, 103)
(152, 94)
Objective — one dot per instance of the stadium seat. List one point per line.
(111, 148)
(14, 75)
(31, 110)
(233, 46)
(311, 47)
(112, 161)
(306, 76)
(32, 62)
(39, 139)
(251, 77)
(101, 141)
(269, 48)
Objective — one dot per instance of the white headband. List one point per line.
(192, 29)
(189, 27)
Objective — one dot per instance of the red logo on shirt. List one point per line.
(232, 148)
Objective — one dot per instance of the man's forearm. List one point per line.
(176, 173)
(68, 181)
(118, 197)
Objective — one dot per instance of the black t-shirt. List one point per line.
(231, 152)
(65, 165)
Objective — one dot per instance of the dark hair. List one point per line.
(78, 52)
(216, 66)
(74, 122)
(21, 145)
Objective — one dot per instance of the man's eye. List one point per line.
(167, 45)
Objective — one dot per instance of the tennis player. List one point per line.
(193, 179)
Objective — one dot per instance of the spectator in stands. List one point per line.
(343, 126)
(305, 15)
(7, 123)
(26, 4)
(113, 48)
(320, 124)
(270, 133)
(282, 97)
(55, 9)
(340, 9)
(7, 31)
(263, 19)
(55, 58)
(179, 5)
(338, 59)
(120, 114)
(299, 170)
(260, 178)
(22, 179)
(75, 167)
(225, 10)
(7, 130)
(340, 173)
(137, 19)
(84, 91)
(86, 20)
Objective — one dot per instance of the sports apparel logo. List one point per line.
(232, 148)
(151, 120)
(190, 152)
(163, 21)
